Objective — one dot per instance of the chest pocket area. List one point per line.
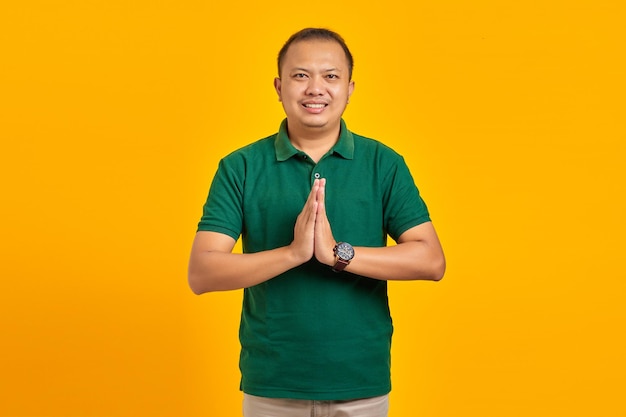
(356, 216)
(270, 214)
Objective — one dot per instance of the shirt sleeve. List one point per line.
(223, 210)
(404, 207)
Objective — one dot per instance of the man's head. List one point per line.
(319, 34)
(315, 81)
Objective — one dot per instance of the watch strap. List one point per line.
(340, 265)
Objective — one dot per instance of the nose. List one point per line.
(315, 86)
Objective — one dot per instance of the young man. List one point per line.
(314, 205)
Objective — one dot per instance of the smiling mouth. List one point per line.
(315, 106)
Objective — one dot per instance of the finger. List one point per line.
(313, 193)
(309, 210)
(321, 192)
(321, 196)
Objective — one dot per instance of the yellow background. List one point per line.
(114, 114)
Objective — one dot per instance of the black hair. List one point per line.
(316, 34)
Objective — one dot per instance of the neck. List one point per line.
(314, 142)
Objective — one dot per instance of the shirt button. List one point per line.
(317, 175)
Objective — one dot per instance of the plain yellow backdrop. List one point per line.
(114, 114)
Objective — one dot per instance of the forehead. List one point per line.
(315, 52)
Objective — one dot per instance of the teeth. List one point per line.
(314, 106)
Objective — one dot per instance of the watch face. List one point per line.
(345, 251)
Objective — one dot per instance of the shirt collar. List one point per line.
(285, 150)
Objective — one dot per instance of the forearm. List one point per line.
(221, 271)
(413, 260)
(213, 266)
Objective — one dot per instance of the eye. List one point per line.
(332, 76)
(299, 75)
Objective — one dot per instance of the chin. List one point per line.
(319, 121)
(311, 122)
(317, 125)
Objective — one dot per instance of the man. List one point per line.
(314, 204)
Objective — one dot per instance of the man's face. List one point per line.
(315, 85)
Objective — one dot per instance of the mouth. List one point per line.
(314, 108)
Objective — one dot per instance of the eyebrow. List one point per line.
(307, 70)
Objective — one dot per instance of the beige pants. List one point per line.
(277, 407)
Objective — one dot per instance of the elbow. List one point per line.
(435, 269)
(439, 272)
(196, 290)
(438, 268)
(197, 285)
(193, 285)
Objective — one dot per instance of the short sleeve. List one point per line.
(404, 207)
(223, 210)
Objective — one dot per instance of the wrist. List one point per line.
(343, 255)
(296, 256)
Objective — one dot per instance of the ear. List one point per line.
(350, 89)
(277, 88)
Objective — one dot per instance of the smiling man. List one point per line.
(314, 204)
(314, 85)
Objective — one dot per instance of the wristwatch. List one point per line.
(344, 252)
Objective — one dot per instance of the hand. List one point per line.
(324, 240)
(304, 231)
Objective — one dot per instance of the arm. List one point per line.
(417, 255)
(213, 266)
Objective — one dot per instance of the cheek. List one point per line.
(340, 92)
(289, 93)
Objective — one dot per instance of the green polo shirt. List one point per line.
(310, 333)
